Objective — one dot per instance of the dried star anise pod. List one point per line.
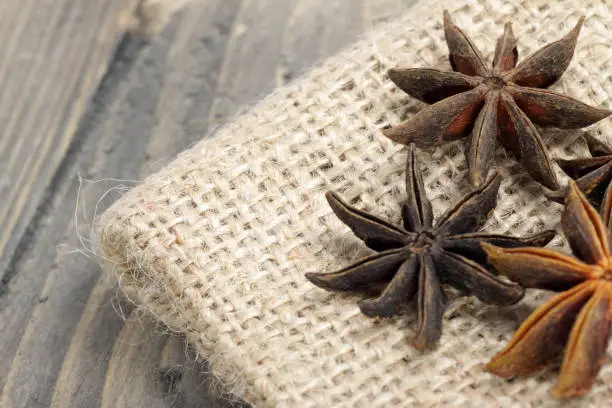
(578, 319)
(500, 102)
(415, 259)
(593, 177)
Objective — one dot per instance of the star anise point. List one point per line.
(593, 176)
(416, 259)
(501, 102)
(575, 322)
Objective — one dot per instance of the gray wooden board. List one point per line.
(68, 338)
(52, 56)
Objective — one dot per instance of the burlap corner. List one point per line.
(216, 245)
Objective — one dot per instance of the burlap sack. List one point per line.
(216, 245)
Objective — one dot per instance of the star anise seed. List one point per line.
(578, 319)
(501, 102)
(415, 259)
(593, 177)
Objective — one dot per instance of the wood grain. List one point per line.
(52, 56)
(69, 339)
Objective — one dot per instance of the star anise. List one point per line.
(415, 259)
(500, 102)
(578, 319)
(593, 177)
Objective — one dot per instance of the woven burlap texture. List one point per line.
(216, 244)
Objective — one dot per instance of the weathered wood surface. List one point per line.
(52, 56)
(68, 338)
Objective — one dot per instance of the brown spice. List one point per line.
(501, 102)
(414, 260)
(593, 177)
(578, 319)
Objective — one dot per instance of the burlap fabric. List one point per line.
(216, 245)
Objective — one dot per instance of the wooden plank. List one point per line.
(195, 59)
(84, 367)
(52, 56)
(35, 299)
(65, 340)
(250, 69)
(317, 29)
(162, 371)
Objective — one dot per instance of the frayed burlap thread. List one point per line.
(216, 245)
